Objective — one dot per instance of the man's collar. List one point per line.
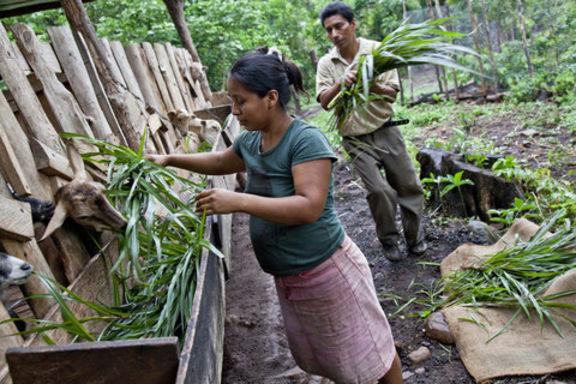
(364, 48)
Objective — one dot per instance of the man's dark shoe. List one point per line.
(392, 252)
(419, 249)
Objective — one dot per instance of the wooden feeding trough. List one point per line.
(54, 88)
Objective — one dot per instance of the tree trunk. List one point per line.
(410, 82)
(454, 75)
(79, 21)
(474, 25)
(436, 69)
(314, 59)
(442, 69)
(524, 38)
(176, 11)
(489, 43)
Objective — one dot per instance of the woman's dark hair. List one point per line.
(261, 71)
(337, 8)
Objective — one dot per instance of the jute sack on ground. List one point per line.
(525, 348)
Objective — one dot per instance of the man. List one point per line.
(371, 138)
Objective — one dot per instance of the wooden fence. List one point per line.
(53, 87)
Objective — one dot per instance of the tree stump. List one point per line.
(488, 192)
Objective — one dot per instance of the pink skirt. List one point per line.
(335, 325)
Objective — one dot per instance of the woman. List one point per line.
(334, 322)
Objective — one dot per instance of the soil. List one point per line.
(255, 348)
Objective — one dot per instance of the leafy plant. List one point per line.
(456, 181)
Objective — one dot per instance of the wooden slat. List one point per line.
(16, 219)
(39, 185)
(115, 68)
(101, 96)
(25, 97)
(168, 75)
(202, 352)
(8, 341)
(79, 79)
(144, 77)
(155, 68)
(11, 168)
(49, 162)
(64, 106)
(186, 95)
(125, 69)
(152, 361)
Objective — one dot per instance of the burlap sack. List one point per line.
(525, 348)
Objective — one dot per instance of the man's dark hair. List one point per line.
(337, 8)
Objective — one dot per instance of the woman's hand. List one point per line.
(157, 159)
(216, 201)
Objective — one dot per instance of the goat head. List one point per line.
(13, 271)
(42, 210)
(85, 202)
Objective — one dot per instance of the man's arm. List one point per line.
(326, 96)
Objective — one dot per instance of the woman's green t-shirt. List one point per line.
(288, 249)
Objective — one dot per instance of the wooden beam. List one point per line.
(143, 361)
(50, 162)
(16, 219)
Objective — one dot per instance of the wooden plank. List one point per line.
(63, 104)
(169, 77)
(144, 77)
(25, 97)
(115, 68)
(202, 352)
(16, 219)
(8, 341)
(103, 101)
(184, 91)
(183, 59)
(79, 80)
(49, 162)
(144, 361)
(124, 66)
(11, 168)
(11, 129)
(156, 72)
(30, 252)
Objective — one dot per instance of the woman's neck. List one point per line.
(275, 132)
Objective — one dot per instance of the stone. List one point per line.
(436, 328)
(420, 355)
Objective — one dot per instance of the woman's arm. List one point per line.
(311, 183)
(207, 163)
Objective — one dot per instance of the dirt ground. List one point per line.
(255, 346)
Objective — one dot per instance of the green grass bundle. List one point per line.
(408, 45)
(518, 276)
(155, 273)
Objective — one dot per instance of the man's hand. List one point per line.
(350, 78)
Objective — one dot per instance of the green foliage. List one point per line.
(544, 194)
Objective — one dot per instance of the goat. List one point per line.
(42, 210)
(13, 271)
(206, 129)
(85, 202)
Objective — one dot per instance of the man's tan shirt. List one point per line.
(332, 67)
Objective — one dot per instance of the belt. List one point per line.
(393, 123)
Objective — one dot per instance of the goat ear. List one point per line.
(56, 221)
